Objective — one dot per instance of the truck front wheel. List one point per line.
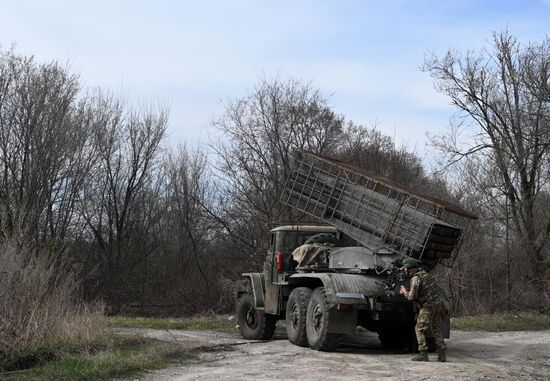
(296, 310)
(254, 324)
(317, 322)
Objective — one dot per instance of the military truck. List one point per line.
(326, 279)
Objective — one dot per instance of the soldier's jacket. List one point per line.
(425, 289)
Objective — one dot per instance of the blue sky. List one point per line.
(193, 56)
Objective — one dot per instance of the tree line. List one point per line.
(497, 150)
(90, 181)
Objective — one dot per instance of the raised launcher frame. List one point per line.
(375, 211)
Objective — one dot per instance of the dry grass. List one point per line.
(37, 305)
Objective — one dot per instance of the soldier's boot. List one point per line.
(422, 356)
(441, 355)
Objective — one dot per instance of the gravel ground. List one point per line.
(471, 356)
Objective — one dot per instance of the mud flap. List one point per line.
(342, 322)
(272, 300)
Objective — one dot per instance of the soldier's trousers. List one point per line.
(429, 316)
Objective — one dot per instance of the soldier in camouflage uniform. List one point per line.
(425, 291)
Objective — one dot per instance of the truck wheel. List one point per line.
(254, 324)
(317, 322)
(296, 310)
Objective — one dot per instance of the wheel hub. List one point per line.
(317, 318)
(294, 316)
(250, 317)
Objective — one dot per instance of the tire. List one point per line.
(317, 322)
(296, 311)
(254, 324)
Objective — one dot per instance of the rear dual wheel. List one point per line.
(295, 317)
(317, 322)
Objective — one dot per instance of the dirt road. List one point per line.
(471, 356)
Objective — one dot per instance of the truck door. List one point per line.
(268, 264)
(277, 247)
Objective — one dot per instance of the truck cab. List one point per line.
(279, 264)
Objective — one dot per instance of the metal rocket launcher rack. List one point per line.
(375, 211)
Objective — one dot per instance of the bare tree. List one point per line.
(190, 193)
(45, 150)
(368, 148)
(83, 175)
(501, 95)
(119, 198)
(259, 133)
(191, 270)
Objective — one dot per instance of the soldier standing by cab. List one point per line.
(425, 291)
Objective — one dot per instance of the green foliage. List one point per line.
(215, 323)
(502, 322)
(105, 358)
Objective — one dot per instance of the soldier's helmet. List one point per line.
(409, 263)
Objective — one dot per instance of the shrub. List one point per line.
(38, 303)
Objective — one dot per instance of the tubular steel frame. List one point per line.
(374, 211)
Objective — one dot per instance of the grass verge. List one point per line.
(214, 323)
(106, 357)
(501, 322)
